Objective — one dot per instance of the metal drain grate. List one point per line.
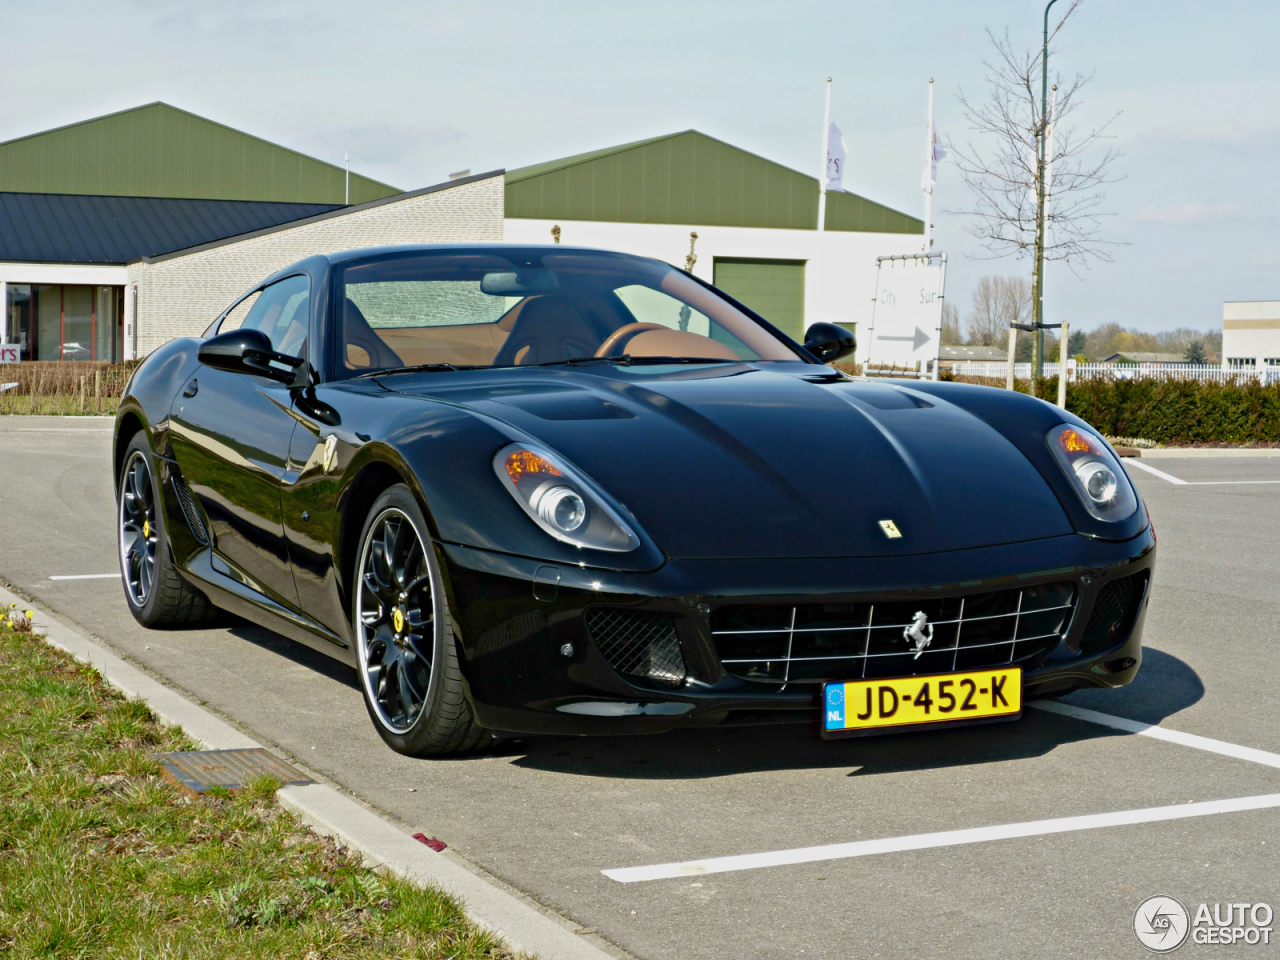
(640, 644)
(189, 509)
(197, 771)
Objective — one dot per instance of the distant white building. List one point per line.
(1251, 333)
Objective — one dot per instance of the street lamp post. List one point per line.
(1038, 300)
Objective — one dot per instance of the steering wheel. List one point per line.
(620, 337)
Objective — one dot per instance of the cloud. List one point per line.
(1185, 214)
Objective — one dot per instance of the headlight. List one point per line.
(560, 500)
(1096, 475)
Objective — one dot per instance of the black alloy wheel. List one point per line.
(397, 613)
(157, 594)
(404, 633)
(138, 531)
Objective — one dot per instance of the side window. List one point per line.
(235, 319)
(282, 313)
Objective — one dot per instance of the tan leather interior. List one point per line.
(677, 343)
(471, 343)
(615, 345)
(552, 329)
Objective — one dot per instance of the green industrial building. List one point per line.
(121, 231)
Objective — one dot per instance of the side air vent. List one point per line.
(639, 644)
(1113, 612)
(189, 509)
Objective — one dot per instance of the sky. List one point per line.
(416, 90)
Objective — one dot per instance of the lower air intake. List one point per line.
(1113, 612)
(639, 644)
(189, 509)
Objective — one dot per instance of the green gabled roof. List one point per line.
(688, 178)
(160, 151)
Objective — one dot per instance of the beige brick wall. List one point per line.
(181, 296)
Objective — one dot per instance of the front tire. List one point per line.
(408, 662)
(157, 595)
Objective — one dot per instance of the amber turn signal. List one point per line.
(1072, 441)
(522, 463)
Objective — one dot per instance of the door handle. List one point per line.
(191, 388)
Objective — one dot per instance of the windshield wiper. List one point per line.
(419, 368)
(626, 360)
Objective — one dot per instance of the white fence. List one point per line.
(1122, 371)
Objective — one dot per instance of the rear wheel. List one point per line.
(407, 659)
(157, 595)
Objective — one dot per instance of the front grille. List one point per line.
(639, 644)
(1113, 612)
(189, 508)
(816, 642)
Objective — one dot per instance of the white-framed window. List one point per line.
(1240, 362)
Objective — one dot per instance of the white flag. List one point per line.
(835, 159)
(937, 151)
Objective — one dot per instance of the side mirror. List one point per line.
(248, 351)
(829, 342)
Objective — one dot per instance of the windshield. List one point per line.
(531, 307)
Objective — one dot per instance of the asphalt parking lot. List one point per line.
(550, 815)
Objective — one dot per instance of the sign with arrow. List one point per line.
(906, 322)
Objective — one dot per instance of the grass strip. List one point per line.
(101, 858)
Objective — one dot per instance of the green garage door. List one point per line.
(772, 288)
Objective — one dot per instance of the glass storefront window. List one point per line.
(106, 323)
(66, 321)
(19, 307)
(77, 323)
(49, 313)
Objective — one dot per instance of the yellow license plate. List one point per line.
(859, 705)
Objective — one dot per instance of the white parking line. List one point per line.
(89, 576)
(1195, 483)
(1159, 473)
(1159, 733)
(947, 838)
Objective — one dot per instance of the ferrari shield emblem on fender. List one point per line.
(330, 453)
(890, 529)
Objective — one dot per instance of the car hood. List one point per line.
(777, 460)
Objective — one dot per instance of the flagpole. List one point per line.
(822, 175)
(928, 166)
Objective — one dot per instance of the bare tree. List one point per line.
(997, 302)
(950, 335)
(1008, 170)
(1002, 169)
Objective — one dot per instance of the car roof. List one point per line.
(317, 262)
(364, 252)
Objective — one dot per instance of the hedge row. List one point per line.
(1175, 411)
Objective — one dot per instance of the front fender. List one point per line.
(1024, 421)
(149, 396)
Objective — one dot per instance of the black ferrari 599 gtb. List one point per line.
(557, 490)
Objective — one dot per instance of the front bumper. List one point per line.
(532, 666)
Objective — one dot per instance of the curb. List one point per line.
(331, 813)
